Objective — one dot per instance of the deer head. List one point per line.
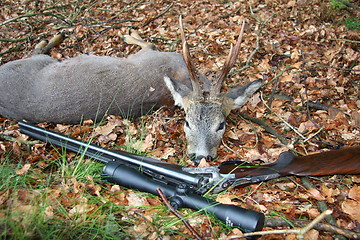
(206, 107)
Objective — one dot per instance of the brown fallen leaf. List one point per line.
(225, 199)
(49, 212)
(312, 234)
(136, 199)
(104, 130)
(351, 207)
(354, 193)
(24, 169)
(355, 115)
(80, 129)
(316, 194)
(313, 212)
(81, 209)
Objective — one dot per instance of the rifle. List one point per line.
(185, 185)
(182, 188)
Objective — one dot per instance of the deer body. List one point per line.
(41, 89)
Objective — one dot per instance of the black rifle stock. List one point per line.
(147, 174)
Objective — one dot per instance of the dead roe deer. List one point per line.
(40, 88)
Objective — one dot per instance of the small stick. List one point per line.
(283, 120)
(265, 126)
(159, 15)
(300, 232)
(178, 214)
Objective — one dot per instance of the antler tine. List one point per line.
(189, 64)
(229, 63)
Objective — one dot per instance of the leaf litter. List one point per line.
(318, 51)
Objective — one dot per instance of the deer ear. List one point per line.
(240, 95)
(178, 90)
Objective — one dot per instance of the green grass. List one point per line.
(334, 9)
(38, 206)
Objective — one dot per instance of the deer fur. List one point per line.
(40, 88)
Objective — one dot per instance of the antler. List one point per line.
(230, 61)
(195, 81)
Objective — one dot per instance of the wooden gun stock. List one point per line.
(342, 161)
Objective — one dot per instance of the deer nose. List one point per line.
(197, 159)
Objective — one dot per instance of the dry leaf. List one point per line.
(168, 152)
(104, 130)
(312, 234)
(352, 207)
(313, 212)
(225, 199)
(136, 199)
(81, 209)
(354, 193)
(235, 233)
(355, 115)
(203, 163)
(115, 188)
(355, 179)
(24, 169)
(49, 211)
(316, 194)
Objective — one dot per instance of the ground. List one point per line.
(306, 51)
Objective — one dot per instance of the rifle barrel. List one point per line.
(105, 155)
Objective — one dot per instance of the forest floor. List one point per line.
(306, 51)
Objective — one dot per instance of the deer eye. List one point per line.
(187, 124)
(221, 126)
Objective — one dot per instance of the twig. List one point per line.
(321, 204)
(271, 96)
(13, 139)
(14, 40)
(343, 39)
(304, 102)
(280, 222)
(15, 49)
(266, 127)
(159, 15)
(125, 9)
(221, 17)
(178, 214)
(276, 79)
(32, 15)
(278, 75)
(261, 27)
(300, 232)
(319, 65)
(314, 222)
(313, 135)
(283, 120)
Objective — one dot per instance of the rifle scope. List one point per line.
(181, 197)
